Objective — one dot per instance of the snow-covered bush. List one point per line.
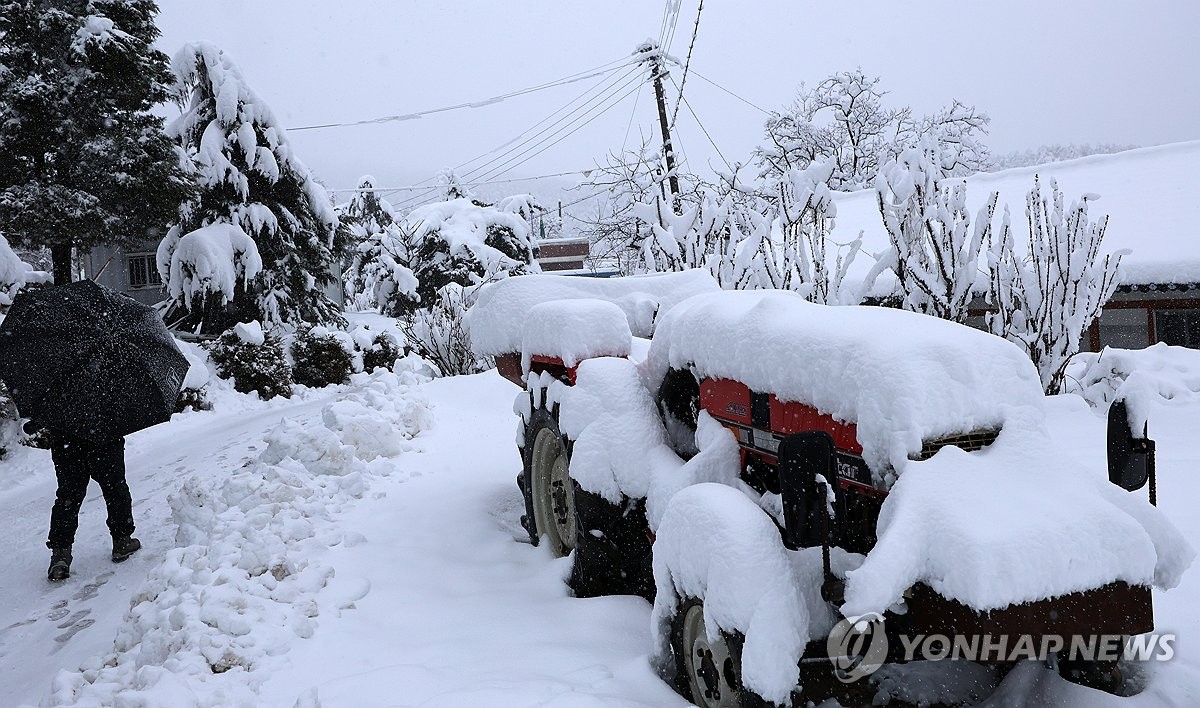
(934, 249)
(462, 242)
(320, 359)
(1138, 376)
(383, 352)
(249, 177)
(440, 336)
(1048, 295)
(388, 281)
(253, 359)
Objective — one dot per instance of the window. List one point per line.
(143, 271)
(1124, 328)
(1180, 328)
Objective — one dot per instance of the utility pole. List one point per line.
(653, 55)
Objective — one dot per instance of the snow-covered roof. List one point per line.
(497, 318)
(902, 377)
(1149, 195)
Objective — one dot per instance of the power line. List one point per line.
(419, 186)
(703, 129)
(603, 87)
(506, 166)
(601, 96)
(731, 93)
(687, 62)
(573, 78)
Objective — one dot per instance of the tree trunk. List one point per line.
(60, 254)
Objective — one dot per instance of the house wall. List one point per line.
(111, 267)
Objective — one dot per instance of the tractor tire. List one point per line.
(709, 674)
(612, 548)
(545, 484)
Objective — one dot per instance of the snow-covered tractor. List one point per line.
(762, 468)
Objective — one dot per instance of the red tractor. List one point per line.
(819, 411)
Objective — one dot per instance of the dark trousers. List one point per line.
(76, 462)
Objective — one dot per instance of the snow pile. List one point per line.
(1016, 522)
(242, 585)
(901, 377)
(198, 375)
(574, 330)
(1139, 376)
(498, 316)
(210, 260)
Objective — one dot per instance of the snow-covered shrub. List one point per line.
(934, 249)
(440, 335)
(320, 358)
(388, 281)
(1138, 376)
(383, 352)
(10, 423)
(254, 360)
(1047, 296)
(460, 241)
(361, 225)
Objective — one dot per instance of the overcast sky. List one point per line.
(1047, 72)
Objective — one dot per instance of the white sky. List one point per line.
(1047, 72)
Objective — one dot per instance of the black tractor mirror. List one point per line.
(802, 457)
(1130, 459)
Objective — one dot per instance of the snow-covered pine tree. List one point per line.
(249, 177)
(1048, 296)
(83, 161)
(934, 250)
(361, 225)
(461, 241)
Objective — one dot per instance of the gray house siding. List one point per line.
(129, 271)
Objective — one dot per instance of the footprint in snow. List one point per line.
(18, 625)
(74, 618)
(74, 629)
(57, 611)
(90, 590)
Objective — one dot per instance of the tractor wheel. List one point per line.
(613, 549)
(549, 493)
(709, 673)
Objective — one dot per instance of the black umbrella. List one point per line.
(89, 362)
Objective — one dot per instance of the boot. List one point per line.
(123, 547)
(60, 564)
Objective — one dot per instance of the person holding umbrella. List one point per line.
(90, 366)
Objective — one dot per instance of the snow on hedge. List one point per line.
(901, 377)
(210, 622)
(213, 259)
(574, 330)
(1139, 376)
(498, 316)
(1016, 522)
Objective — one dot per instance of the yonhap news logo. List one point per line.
(858, 646)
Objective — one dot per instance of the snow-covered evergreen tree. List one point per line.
(934, 249)
(460, 241)
(83, 161)
(1047, 296)
(249, 177)
(362, 223)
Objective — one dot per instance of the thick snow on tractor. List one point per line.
(762, 468)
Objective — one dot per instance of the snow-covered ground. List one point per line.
(396, 580)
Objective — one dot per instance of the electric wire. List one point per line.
(731, 93)
(687, 62)
(573, 78)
